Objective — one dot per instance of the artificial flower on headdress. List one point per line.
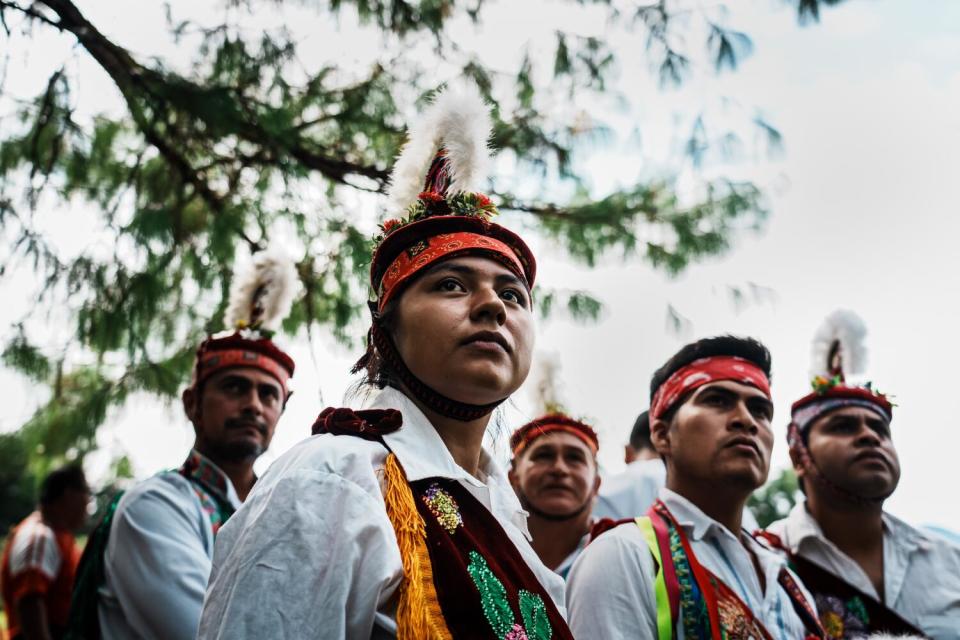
(839, 349)
(260, 299)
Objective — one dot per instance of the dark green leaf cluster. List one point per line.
(774, 500)
(579, 304)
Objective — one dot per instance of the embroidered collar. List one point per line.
(423, 454)
(210, 477)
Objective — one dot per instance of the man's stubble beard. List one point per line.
(552, 517)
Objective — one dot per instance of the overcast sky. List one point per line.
(864, 216)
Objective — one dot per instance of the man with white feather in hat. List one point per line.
(869, 572)
(146, 566)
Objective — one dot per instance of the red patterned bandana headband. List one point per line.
(278, 364)
(704, 371)
(556, 422)
(429, 250)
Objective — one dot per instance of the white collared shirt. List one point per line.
(157, 561)
(631, 493)
(312, 554)
(610, 590)
(921, 572)
(563, 569)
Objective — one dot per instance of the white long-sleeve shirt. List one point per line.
(312, 554)
(921, 572)
(157, 561)
(610, 590)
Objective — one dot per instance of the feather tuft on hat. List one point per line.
(262, 294)
(839, 346)
(454, 131)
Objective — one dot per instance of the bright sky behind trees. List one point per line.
(863, 215)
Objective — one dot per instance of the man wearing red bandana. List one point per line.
(687, 569)
(145, 568)
(554, 473)
(869, 571)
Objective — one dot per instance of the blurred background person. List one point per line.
(631, 492)
(40, 558)
(554, 473)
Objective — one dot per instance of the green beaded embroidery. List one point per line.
(493, 597)
(534, 614)
(496, 608)
(856, 607)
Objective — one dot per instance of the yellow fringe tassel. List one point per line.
(418, 614)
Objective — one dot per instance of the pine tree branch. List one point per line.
(137, 83)
(30, 12)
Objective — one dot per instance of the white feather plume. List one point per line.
(457, 120)
(545, 390)
(261, 296)
(847, 328)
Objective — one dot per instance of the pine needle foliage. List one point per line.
(204, 163)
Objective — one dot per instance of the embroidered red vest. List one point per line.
(483, 585)
(686, 590)
(845, 611)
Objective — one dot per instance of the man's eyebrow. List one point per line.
(543, 447)
(716, 389)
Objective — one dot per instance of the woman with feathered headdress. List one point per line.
(394, 521)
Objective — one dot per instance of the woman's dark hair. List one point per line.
(377, 372)
(749, 349)
(58, 481)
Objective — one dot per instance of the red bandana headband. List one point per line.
(529, 432)
(704, 371)
(429, 250)
(217, 354)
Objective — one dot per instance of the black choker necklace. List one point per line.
(434, 400)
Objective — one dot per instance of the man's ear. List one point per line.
(629, 453)
(596, 485)
(660, 436)
(191, 404)
(512, 475)
(285, 401)
(797, 461)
